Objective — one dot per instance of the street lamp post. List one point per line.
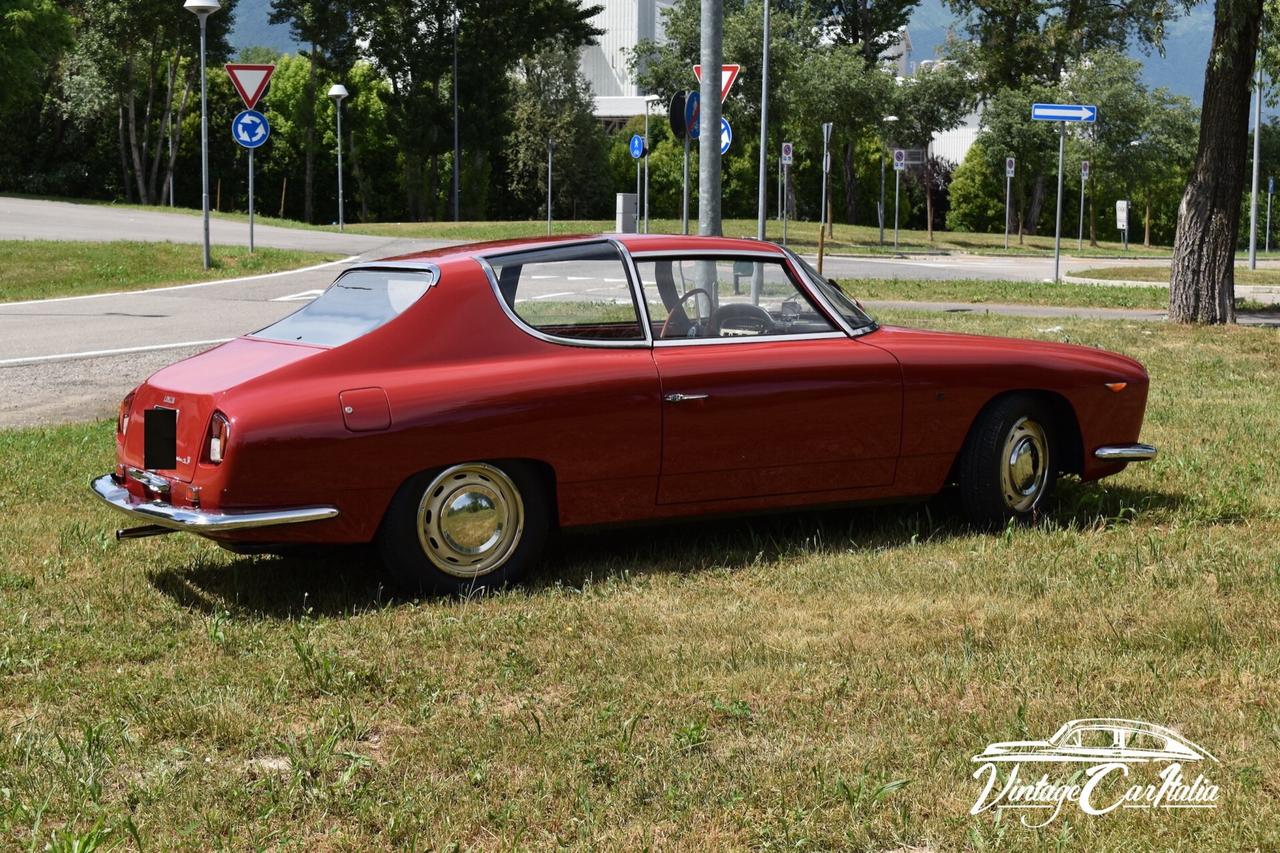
(762, 201)
(203, 9)
(457, 184)
(887, 120)
(337, 92)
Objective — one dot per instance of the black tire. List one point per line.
(993, 488)
(477, 499)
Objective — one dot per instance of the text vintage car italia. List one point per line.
(455, 406)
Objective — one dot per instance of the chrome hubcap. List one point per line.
(470, 520)
(1024, 469)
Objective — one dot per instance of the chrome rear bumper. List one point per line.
(1125, 453)
(201, 521)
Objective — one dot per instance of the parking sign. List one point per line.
(1084, 170)
(787, 153)
(899, 160)
(1010, 166)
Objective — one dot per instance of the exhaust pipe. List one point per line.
(142, 532)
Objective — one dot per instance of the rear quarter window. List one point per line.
(354, 305)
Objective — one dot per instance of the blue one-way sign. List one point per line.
(1064, 112)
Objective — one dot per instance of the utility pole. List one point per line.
(457, 21)
(826, 169)
(712, 56)
(1057, 231)
(764, 128)
(551, 146)
(203, 9)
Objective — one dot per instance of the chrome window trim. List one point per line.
(644, 343)
(431, 269)
(781, 258)
(748, 339)
(822, 298)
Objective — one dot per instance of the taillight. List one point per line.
(219, 437)
(122, 418)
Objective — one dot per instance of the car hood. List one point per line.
(949, 347)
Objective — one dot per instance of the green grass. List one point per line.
(39, 269)
(1008, 292)
(765, 683)
(1161, 274)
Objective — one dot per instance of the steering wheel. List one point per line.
(740, 311)
(679, 306)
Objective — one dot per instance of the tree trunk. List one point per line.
(1031, 223)
(1146, 225)
(1202, 284)
(928, 193)
(124, 156)
(850, 186)
(1093, 220)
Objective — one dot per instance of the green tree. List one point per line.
(552, 100)
(1008, 131)
(33, 35)
(977, 193)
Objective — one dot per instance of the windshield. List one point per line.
(354, 305)
(849, 310)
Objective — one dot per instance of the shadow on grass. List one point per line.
(346, 581)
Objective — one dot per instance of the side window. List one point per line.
(575, 292)
(725, 298)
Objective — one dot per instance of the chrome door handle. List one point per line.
(684, 398)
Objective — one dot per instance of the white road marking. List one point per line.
(553, 295)
(580, 278)
(71, 356)
(303, 296)
(347, 260)
(616, 280)
(541, 277)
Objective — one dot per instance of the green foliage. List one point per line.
(977, 193)
(33, 33)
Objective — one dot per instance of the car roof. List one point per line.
(634, 243)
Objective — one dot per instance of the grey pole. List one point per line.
(897, 188)
(250, 199)
(826, 168)
(1057, 228)
(785, 175)
(337, 92)
(204, 146)
(457, 21)
(646, 165)
(764, 128)
(551, 146)
(1257, 153)
(880, 210)
(684, 203)
(1080, 237)
(712, 57)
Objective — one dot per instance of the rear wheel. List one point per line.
(1007, 467)
(474, 525)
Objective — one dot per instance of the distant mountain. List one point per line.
(253, 28)
(1180, 70)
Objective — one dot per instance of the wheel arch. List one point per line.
(1064, 430)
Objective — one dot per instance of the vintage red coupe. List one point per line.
(455, 406)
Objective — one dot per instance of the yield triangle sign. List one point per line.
(728, 73)
(250, 81)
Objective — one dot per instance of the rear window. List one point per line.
(354, 305)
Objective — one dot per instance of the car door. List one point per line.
(763, 393)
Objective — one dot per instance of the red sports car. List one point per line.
(455, 406)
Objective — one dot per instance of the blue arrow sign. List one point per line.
(250, 128)
(693, 114)
(637, 146)
(726, 136)
(1064, 112)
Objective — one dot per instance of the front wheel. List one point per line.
(474, 525)
(1006, 468)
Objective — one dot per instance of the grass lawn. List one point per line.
(811, 681)
(1008, 292)
(38, 269)
(1161, 274)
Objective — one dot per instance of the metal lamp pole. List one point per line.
(1257, 153)
(203, 9)
(337, 92)
(762, 202)
(457, 21)
(887, 120)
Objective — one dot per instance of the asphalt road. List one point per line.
(34, 219)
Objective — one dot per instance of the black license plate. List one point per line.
(160, 439)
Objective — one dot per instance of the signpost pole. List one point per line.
(204, 145)
(880, 209)
(646, 165)
(1057, 230)
(250, 199)
(826, 167)
(551, 146)
(1257, 153)
(1271, 190)
(897, 194)
(785, 175)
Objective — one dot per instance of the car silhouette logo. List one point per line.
(1097, 740)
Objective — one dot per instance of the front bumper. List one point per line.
(201, 521)
(1125, 453)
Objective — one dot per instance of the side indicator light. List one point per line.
(1117, 387)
